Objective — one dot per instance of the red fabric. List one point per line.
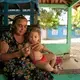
(43, 59)
(58, 60)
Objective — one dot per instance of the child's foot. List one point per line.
(56, 71)
(59, 67)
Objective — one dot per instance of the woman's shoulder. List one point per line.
(6, 36)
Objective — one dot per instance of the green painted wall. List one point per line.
(2, 77)
(59, 48)
(66, 77)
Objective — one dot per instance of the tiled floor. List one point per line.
(72, 60)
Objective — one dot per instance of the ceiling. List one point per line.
(26, 4)
(66, 2)
(55, 1)
(76, 5)
(18, 4)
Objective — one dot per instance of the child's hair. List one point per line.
(35, 28)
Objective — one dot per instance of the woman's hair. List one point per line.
(15, 20)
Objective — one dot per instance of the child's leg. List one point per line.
(51, 58)
(47, 67)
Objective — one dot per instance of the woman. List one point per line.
(11, 52)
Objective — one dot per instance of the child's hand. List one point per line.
(36, 47)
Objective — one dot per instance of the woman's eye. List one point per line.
(25, 26)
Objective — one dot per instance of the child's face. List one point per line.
(34, 37)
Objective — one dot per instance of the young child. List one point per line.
(39, 58)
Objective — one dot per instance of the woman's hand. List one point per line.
(25, 51)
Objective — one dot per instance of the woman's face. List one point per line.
(34, 37)
(21, 26)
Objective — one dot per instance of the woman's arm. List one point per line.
(3, 52)
(5, 57)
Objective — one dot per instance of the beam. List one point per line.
(74, 2)
(15, 13)
(53, 5)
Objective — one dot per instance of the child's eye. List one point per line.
(35, 36)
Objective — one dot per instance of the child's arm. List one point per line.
(37, 47)
(46, 50)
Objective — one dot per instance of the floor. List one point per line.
(72, 60)
(67, 77)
